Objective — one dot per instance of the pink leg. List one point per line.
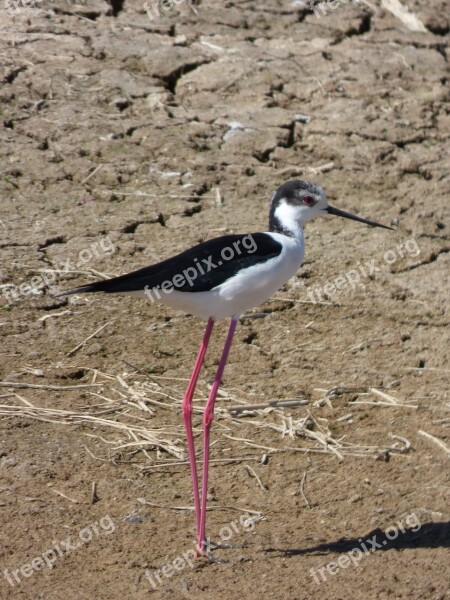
(187, 409)
(208, 418)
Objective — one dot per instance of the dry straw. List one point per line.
(128, 404)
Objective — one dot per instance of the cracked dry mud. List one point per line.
(148, 136)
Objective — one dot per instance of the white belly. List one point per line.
(249, 288)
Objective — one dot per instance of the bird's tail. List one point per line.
(123, 284)
(91, 287)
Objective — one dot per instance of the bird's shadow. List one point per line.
(429, 535)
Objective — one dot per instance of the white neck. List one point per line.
(286, 217)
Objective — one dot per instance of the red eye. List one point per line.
(309, 201)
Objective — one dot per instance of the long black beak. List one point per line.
(340, 213)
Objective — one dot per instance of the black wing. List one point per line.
(198, 269)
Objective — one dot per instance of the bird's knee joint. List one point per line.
(207, 420)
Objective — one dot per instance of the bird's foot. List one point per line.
(205, 550)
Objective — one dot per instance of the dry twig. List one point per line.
(81, 344)
(435, 440)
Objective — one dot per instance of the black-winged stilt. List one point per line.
(224, 277)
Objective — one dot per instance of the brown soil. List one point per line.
(161, 133)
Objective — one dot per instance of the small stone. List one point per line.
(355, 498)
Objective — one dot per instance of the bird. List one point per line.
(222, 278)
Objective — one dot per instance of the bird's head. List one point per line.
(298, 201)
